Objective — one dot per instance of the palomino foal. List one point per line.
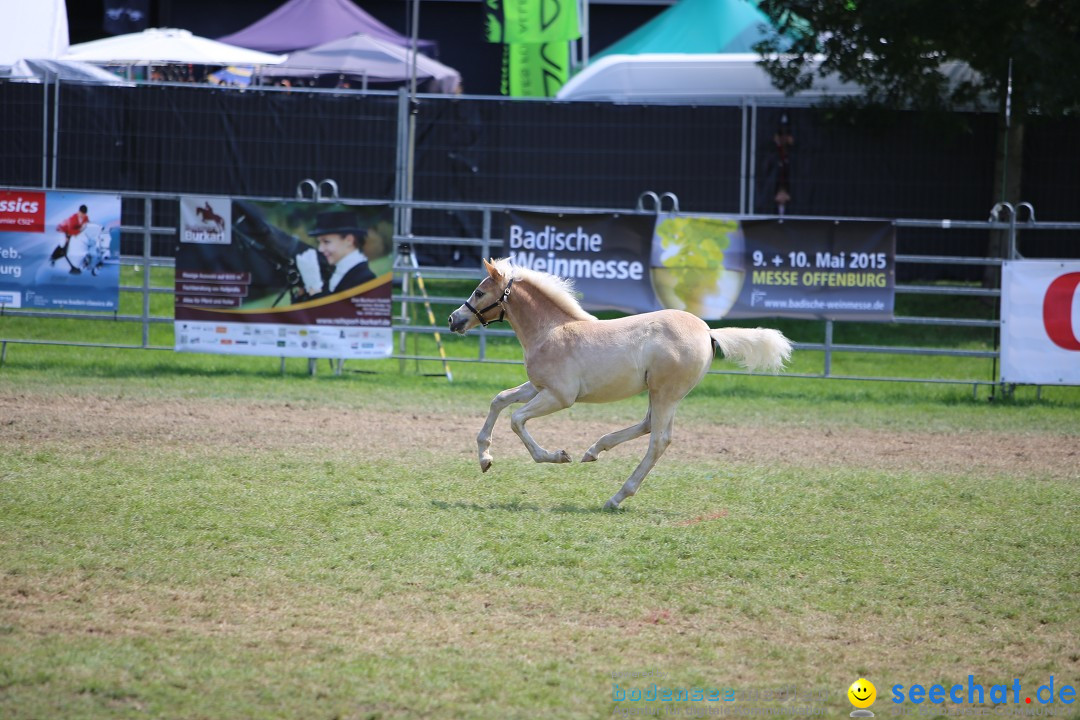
(570, 357)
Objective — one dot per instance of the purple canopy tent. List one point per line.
(302, 24)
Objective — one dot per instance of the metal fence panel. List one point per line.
(887, 165)
(24, 134)
(195, 139)
(476, 157)
(576, 154)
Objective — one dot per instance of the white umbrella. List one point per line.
(158, 46)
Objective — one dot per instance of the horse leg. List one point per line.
(521, 393)
(544, 403)
(663, 415)
(619, 436)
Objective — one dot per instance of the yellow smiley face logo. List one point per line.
(862, 693)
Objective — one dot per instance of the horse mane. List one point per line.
(560, 291)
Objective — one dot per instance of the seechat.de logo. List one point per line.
(976, 694)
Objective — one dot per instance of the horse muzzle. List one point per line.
(458, 322)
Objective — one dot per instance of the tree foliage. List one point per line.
(895, 49)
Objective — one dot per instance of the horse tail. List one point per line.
(753, 348)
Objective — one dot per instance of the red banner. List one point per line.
(22, 211)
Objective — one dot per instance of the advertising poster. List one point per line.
(284, 279)
(606, 255)
(715, 267)
(59, 250)
(816, 269)
(1040, 322)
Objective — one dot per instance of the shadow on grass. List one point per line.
(565, 508)
(853, 392)
(836, 391)
(243, 367)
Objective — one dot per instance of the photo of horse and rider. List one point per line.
(60, 250)
(293, 252)
(84, 245)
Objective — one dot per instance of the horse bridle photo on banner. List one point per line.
(497, 304)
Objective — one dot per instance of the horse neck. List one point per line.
(532, 314)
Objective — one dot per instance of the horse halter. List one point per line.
(497, 304)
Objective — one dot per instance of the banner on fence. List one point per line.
(842, 270)
(59, 250)
(714, 267)
(606, 255)
(1040, 322)
(283, 279)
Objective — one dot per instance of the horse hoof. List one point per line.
(564, 457)
(588, 457)
(611, 505)
(484, 465)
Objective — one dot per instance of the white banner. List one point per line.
(253, 278)
(233, 338)
(1040, 322)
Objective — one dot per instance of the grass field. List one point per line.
(191, 536)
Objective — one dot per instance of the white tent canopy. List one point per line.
(35, 69)
(160, 46)
(376, 60)
(676, 78)
(704, 79)
(33, 29)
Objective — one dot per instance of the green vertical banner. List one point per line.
(536, 36)
(535, 70)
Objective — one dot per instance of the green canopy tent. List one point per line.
(697, 26)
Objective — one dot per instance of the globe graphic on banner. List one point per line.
(698, 264)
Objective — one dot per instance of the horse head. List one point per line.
(485, 305)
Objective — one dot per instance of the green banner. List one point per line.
(530, 21)
(531, 70)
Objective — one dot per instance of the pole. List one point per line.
(410, 157)
(148, 222)
(1008, 124)
(56, 129)
(413, 109)
(1012, 215)
(45, 133)
(583, 23)
(430, 315)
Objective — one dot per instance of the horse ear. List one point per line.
(491, 269)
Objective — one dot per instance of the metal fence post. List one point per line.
(1010, 250)
(56, 129)
(828, 347)
(742, 162)
(752, 153)
(148, 205)
(45, 133)
(485, 248)
(403, 215)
